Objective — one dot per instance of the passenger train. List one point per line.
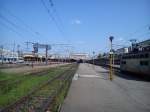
(138, 63)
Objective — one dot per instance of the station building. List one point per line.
(7, 56)
(79, 56)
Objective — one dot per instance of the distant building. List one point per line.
(7, 56)
(141, 46)
(33, 57)
(144, 45)
(122, 50)
(55, 56)
(79, 56)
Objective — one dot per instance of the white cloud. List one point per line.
(76, 21)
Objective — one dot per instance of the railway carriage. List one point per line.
(138, 63)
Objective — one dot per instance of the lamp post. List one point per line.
(93, 57)
(111, 56)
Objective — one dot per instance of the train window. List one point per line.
(142, 56)
(146, 55)
(137, 56)
(144, 63)
(124, 57)
(141, 62)
(123, 62)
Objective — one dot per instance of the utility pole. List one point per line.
(18, 50)
(93, 59)
(2, 57)
(46, 54)
(111, 56)
(14, 51)
(27, 45)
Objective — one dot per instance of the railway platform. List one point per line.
(92, 91)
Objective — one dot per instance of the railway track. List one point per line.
(9, 83)
(11, 66)
(25, 74)
(40, 98)
(66, 79)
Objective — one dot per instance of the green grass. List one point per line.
(14, 86)
(58, 101)
(6, 76)
(60, 98)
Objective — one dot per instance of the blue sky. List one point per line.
(85, 24)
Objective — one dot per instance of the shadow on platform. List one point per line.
(129, 76)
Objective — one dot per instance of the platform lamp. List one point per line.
(111, 56)
(93, 57)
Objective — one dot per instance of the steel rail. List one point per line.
(29, 95)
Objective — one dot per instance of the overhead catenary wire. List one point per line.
(137, 34)
(119, 45)
(58, 17)
(147, 34)
(15, 25)
(11, 29)
(137, 31)
(19, 34)
(53, 19)
(10, 22)
(15, 28)
(52, 5)
(23, 23)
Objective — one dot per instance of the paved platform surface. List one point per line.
(91, 91)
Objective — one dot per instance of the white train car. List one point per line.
(138, 63)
